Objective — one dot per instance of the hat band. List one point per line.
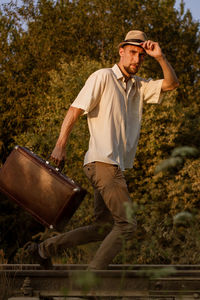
(134, 41)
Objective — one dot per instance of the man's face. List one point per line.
(131, 58)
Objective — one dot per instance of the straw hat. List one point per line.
(134, 37)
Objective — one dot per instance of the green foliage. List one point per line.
(86, 281)
(47, 51)
(65, 83)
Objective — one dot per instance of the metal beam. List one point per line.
(165, 282)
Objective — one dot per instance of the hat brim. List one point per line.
(122, 44)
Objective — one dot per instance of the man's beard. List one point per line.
(131, 71)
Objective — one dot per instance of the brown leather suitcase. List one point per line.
(51, 197)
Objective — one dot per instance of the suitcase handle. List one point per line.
(60, 167)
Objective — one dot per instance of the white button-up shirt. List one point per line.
(114, 113)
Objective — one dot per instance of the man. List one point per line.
(113, 100)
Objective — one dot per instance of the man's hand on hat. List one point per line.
(152, 48)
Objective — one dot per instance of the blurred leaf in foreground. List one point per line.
(167, 164)
(185, 151)
(183, 218)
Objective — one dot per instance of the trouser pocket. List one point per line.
(90, 172)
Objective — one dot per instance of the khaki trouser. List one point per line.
(111, 224)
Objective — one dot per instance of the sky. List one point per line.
(193, 5)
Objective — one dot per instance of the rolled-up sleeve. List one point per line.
(89, 96)
(153, 91)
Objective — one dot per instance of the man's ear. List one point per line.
(121, 51)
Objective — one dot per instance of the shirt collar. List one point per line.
(118, 73)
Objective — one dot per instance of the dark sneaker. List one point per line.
(45, 263)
